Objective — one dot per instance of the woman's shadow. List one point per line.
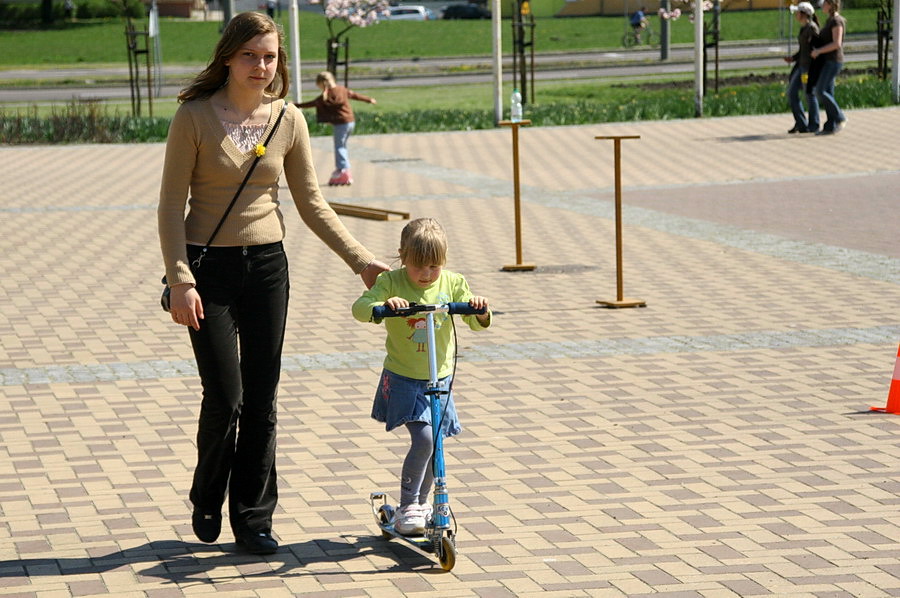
(184, 563)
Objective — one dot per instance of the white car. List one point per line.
(410, 12)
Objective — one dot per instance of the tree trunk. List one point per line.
(47, 12)
(333, 48)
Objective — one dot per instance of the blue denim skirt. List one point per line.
(400, 400)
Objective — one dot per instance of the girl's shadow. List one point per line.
(184, 563)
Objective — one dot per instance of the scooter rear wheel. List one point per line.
(447, 553)
(385, 514)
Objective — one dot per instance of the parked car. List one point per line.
(410, 12)
(465, 11)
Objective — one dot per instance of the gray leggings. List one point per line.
(416, 476)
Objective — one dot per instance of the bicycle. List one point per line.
(648, 37)
(439, 536)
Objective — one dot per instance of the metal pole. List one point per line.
(532, 24)
(227, 12)
(293, 15)
(346, 44)
(129, 41)
(699, 51)
(664, 31)
(781, 19)
(153, 28)
(149, 78)
(717, 13)
(895, 67)
(520, 50)
(498, 61)
(790, 35)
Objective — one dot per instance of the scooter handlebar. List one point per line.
(459, 307)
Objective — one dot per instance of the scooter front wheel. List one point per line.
(447, 553)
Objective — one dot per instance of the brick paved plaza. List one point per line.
(716, 443)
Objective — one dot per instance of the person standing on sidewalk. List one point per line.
(333, 106)
(830, 54)
(809, 28)
(230, 287)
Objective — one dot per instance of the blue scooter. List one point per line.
(440, 531)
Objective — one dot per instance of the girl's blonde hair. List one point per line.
(423, 242)
(325, 77)
(240, 30)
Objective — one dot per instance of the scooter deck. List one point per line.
(418, 541)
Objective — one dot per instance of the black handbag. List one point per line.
(165, 299)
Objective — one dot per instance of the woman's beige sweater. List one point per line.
(203, 169)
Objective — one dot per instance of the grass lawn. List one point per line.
(191, 42)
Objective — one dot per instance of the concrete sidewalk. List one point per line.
(716, 443)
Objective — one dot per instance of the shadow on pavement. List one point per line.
(183, 563)
(762, 137)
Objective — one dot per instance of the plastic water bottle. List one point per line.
(515, 106)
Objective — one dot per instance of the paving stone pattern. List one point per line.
(716, 443)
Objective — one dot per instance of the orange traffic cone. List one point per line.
(893, 401)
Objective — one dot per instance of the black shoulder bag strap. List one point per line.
(196, 263)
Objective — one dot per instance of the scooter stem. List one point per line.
(441, 499)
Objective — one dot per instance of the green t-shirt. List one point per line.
(407, 351)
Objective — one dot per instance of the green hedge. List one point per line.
(28, 15)
(90, 123)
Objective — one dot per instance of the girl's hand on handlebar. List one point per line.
(396, 303)
(479, 302)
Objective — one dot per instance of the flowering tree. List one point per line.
(675, 13)
(711, 31)
(351, 13)
(672, 15)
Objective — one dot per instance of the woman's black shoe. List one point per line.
(257, 542)
(206, 525)
(797, 129)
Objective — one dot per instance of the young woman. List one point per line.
(830, 54)
(233, 296)
(809, 28)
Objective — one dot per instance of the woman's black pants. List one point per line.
(244, 291)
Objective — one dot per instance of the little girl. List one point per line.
(400, 398)
(333, 106)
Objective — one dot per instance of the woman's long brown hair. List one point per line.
(241, 29)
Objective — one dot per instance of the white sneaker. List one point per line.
(409, 520)
(427, 512)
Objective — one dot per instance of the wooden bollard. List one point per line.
(514, 125)
(620, 301)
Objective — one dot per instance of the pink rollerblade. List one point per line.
(340, 177)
